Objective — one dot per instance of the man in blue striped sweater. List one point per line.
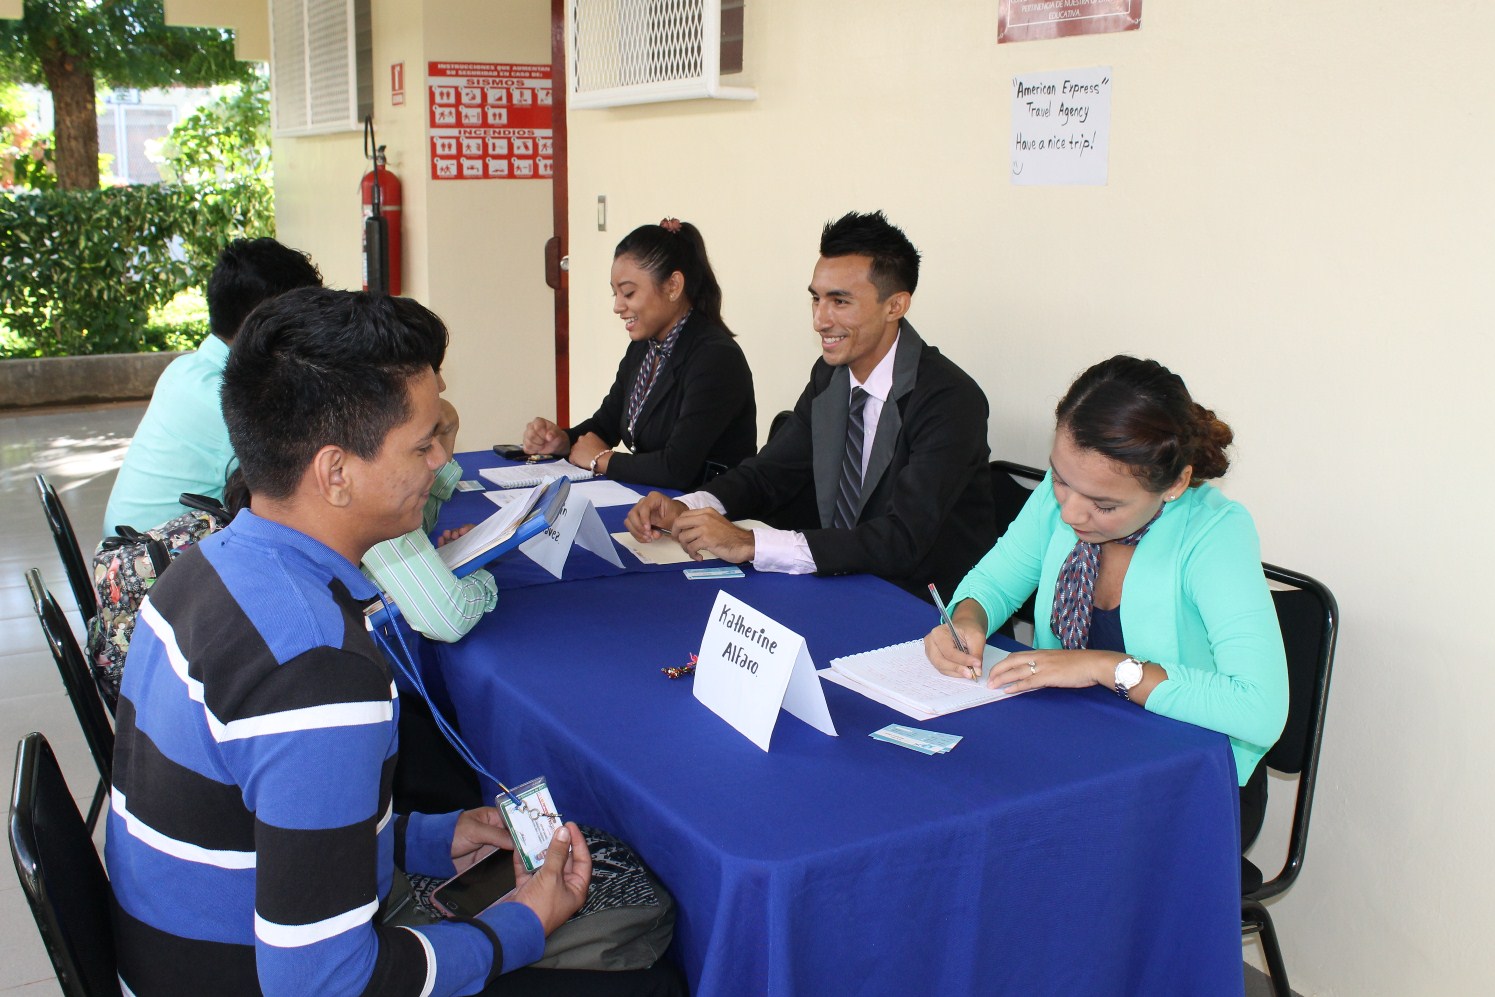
(251, 837)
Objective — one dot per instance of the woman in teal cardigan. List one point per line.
(1147, 580)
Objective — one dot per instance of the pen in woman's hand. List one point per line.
(960, 645)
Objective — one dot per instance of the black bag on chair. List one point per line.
(627, 921)
(125, 566)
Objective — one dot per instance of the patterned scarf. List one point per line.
(648, 371)
(1074, 592)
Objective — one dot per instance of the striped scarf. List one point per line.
(1074, 591)
(648, 371)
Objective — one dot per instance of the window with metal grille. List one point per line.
(321, 66)
(641, 51)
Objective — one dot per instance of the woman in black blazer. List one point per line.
(683, 399)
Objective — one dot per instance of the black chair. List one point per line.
(778, 423)
(61, 874)
(1010, 494)
(81, 686)
(79, 578)
(1310, 625)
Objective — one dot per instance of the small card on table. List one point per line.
(927, 742)
(722, 571)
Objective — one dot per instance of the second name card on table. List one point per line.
(577, 523)
(750, 666)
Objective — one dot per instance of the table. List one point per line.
(1071, 844)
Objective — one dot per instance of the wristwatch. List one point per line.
(1128, 675)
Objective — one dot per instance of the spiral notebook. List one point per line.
(530, 475)
(901, 676)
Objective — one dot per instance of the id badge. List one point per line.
(532, 821)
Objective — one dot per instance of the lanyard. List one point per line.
(405, 663)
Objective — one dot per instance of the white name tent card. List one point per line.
(750, 666)
(577, 523)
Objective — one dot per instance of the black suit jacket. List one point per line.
(701, 410)
(927, 513)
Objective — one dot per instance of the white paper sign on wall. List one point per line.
(1061, 127)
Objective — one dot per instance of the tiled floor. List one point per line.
(78, 450)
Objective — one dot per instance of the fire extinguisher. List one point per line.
(383, 200)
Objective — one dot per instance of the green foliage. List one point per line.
(81, 271)
(76, 46)
(181, 323)
(12, 104)
(228, 136)
(26, 158)
(125, 43)
(25, 155)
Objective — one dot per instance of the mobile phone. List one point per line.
(478, 887)
(509, 451)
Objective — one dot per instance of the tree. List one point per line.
(75, 46)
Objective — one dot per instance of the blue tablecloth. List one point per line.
(1070, 844)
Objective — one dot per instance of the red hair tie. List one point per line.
(670, 225)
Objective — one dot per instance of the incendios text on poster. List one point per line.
(490, 121)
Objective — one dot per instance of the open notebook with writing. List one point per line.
(530, 475)
(900, 676)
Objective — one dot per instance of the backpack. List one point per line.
(125, 566)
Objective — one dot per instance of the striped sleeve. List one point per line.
(251, 832)
(441, 490)
(436, 603)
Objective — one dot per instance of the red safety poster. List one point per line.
(1030, 20)
(490, 121)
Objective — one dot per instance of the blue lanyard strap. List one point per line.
(405, 664)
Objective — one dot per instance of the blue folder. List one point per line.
(547, 509)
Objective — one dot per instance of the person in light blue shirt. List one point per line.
(182, 443)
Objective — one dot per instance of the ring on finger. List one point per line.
(1032, 668)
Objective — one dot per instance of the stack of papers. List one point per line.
(901, 677)
(601, 492)
(667, 550)
(926, 742)
(529, 475)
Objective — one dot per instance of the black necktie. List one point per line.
(850, 488)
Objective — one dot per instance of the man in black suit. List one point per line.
(882, 467)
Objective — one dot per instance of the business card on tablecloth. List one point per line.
(721, 571)
(926, 742)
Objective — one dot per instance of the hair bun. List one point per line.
(1210, 459)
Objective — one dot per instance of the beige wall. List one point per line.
(250, 20)
(473, 249)
(1298, 220)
